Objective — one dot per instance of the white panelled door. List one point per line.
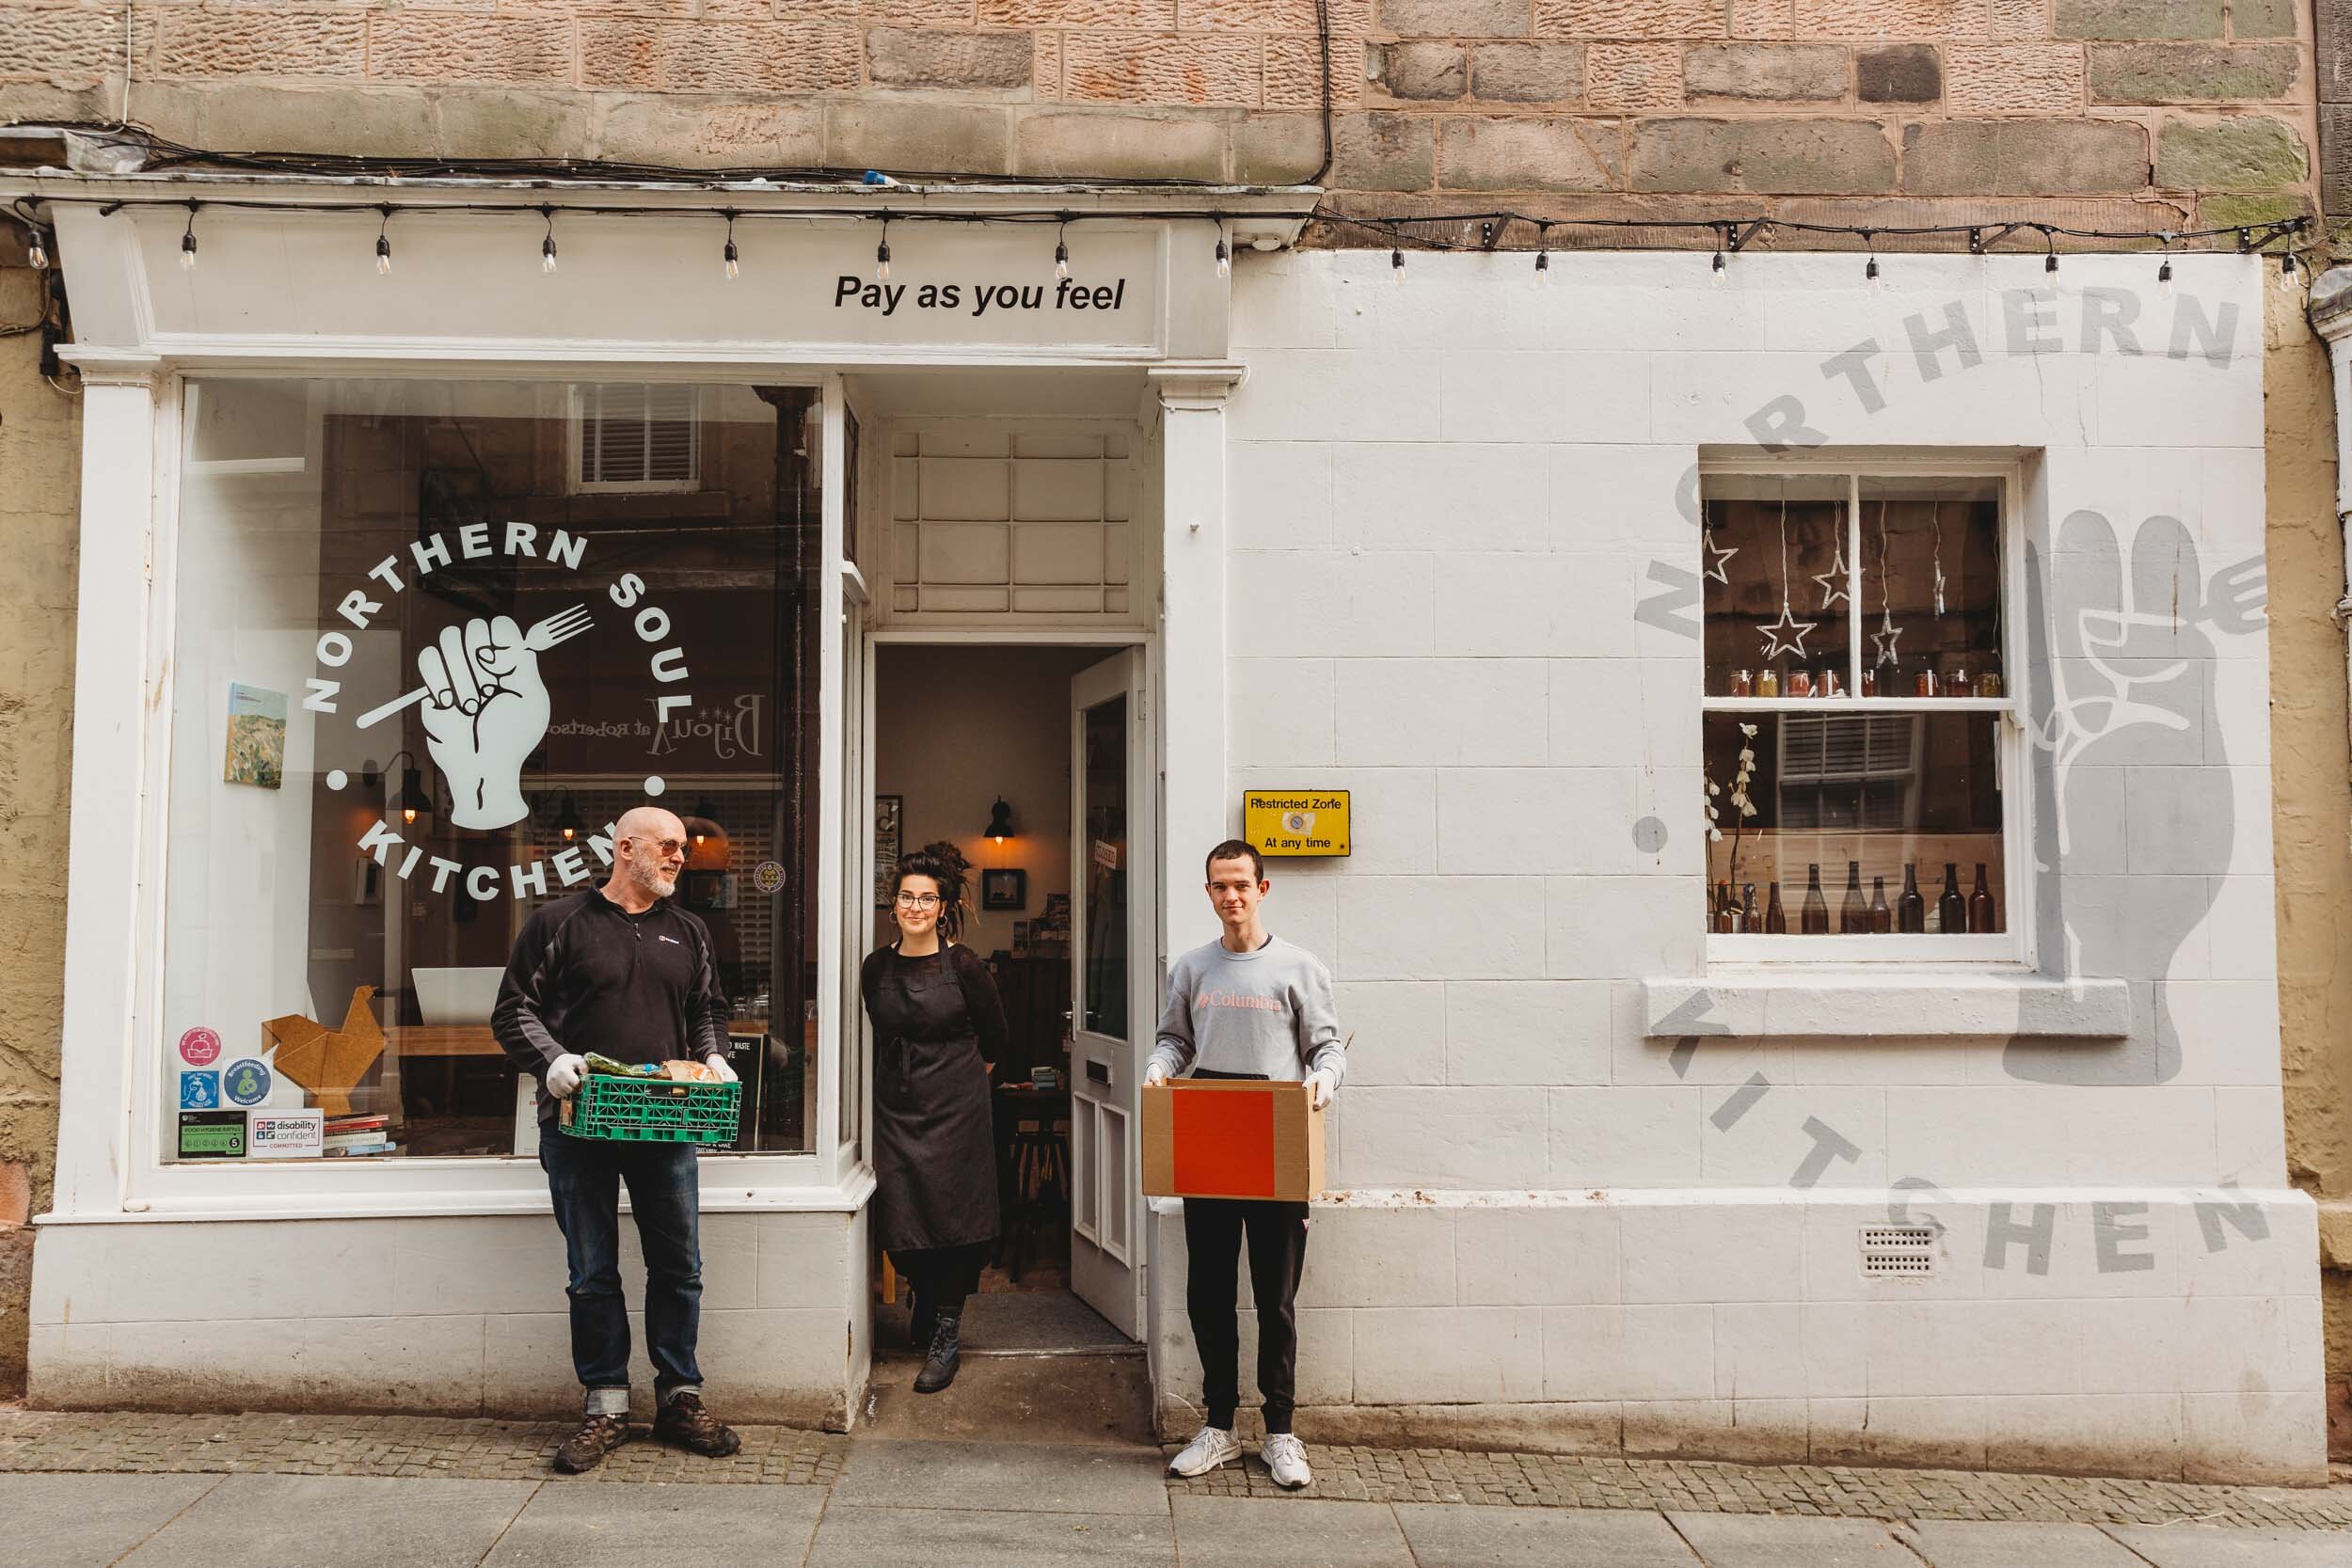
(1113, 978)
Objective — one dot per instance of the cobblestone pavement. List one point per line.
(450, 1447)
(61, 1442)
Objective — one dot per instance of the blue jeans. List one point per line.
(584, 1177)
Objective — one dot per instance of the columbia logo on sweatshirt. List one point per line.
(1238, 999)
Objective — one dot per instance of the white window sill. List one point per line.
(1870, 1002)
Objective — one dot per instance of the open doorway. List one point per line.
(1021, 756)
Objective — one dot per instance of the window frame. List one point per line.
(2014, 944)
(830, 1176)
(576, 437)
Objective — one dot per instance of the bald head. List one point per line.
(648, 852)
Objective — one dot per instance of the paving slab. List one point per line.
(990, 1475)
(385, 1522)
(567, 1524)
(1457, 1535)
(2206, 1546)
(2013, 1543)
(979, 1538)
(88, 1521)
(1779, 1540)
(1293, 1533)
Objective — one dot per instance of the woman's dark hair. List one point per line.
(945, 864)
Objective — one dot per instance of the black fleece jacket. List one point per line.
(587, 976)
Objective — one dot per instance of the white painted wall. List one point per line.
(1455, 567)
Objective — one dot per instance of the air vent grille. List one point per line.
(1898, 1250)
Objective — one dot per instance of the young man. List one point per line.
(621, 971)
(1246, 1005)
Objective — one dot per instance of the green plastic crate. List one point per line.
(653, 1109)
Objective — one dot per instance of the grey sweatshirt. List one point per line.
(1267, 1013)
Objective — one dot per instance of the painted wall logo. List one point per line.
(484, 702)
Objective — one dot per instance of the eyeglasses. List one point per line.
(919, 901)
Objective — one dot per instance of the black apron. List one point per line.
(934, 1127)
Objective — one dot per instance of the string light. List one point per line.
(2287, 279)
(1718, 269)
(384, 243)
(881, 253)
(187, 243)
(34, 256)
(2164, 272)
(1870, 270)
(1543, 250)
(547, 247)
(734, 262)
(1061, 252)
(1224, 258)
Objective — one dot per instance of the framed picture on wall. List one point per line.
(1004, 890)
(888, 812)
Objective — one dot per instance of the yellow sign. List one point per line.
(1295, 821)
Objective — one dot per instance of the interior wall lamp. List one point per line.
(999, 822)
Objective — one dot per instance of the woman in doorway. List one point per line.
(937, 1020)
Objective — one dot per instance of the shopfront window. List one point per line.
(1859, 724)
(430, 639)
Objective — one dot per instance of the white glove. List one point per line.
(1154, 1072)
(718, 1063)
(564, 1074)
(1325, 1084)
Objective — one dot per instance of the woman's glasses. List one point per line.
(918, 900)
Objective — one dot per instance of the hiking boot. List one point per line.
(585, 1450)
(939, 1368)
(1212, 1447)
(684, 1423)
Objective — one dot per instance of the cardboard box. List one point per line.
(1232, 1138)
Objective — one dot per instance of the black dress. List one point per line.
(935, 1019)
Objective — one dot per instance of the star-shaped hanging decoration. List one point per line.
(1715, 571)
(1833, 581)
(1776, 645)
(1883, 643)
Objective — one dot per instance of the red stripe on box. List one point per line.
(1224, 1143)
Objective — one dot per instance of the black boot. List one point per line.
(922, 1318)
(939, 1369)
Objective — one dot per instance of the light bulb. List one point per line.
(37, 257)
(546, 254)
(1224, 258)
(2163, 279)
(734, 268)
(881, 262)
(569, 833)
(2049, 266)
(1543, 265)
(2286, 271)
(1061, 260)
(407, 814)
(187, 248)
(1719, 268)
(1396, 264)
(383, 255)
(1871, 278)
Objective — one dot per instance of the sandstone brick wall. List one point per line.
(39, 490)
(1594, 104)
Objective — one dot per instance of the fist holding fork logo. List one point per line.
(485, 709)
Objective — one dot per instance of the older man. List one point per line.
(621, 971)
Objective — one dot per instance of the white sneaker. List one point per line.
(1286, 1456)
(1214, 1446)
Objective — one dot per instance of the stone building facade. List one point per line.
(2132, 114)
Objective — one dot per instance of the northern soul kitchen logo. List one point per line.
(484, 702)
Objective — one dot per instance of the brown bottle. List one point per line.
(1775, 918)
(1727, 911)
(1980, 916)
(1951, 910)
(1911, 910)
(1813, 916)
(1882, 918)
(1853, 916)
